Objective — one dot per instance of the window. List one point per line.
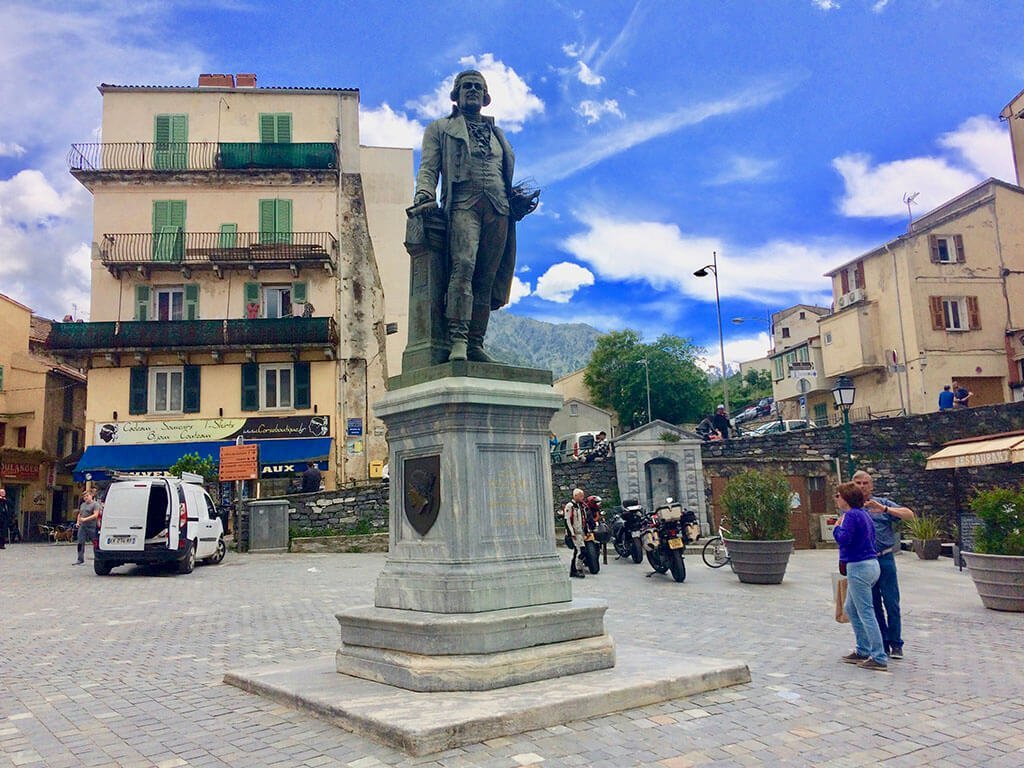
(1, 378)
(3, 433)
(785, 332)
(778, 362)
(803, 354)
(168, 230)
(946, 249)
(275, 128)
(61, 441)
(803, 315)
(69, 404)
(21, 434)
(228, 235)
(74, 440)
(169, 304)
(816, 482)
(955, 313)
(166, 390)
(275, 221)
(574, 409)
(170, 142)
(277, 301)
(275, 386)
(828, 337)
(821, 414)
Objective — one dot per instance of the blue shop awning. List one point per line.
(99, 462)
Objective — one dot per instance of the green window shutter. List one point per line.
(284, 221)
(190, 401)
(299, 293)
(170, 139)
(250, 386)
(168, 230)
(267, 128)
(142, 302)
(284, 128)
(300, 375)
(253, 305)
(138, 384)
(228, 235)
(191, 301)
(268, 218)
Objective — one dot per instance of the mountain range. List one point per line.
(559, 347)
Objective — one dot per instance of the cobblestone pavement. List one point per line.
(126, 670)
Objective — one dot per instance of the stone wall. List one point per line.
(893, 450)
(598, 478)
(340, 510)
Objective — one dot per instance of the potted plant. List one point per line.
(926, 535)
(997, 563)
(759, 540)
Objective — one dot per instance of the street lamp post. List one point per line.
(647, 377)
(844, 393)
(703, 272)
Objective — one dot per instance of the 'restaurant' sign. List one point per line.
(194, 430)
(239, 462)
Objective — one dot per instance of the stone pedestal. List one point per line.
(473, 595)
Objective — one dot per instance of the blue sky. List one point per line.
(782, 135)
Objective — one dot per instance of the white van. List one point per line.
(571, 446)
(153, 520)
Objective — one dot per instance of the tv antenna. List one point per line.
(910, 199)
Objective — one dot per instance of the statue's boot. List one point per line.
(477, 331)
(458, 335)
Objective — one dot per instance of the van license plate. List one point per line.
(675, 543)
(120, 539)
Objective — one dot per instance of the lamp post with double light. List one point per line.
(703, 272)
(844, 392)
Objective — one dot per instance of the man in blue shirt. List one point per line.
(886, 515)
(946, 399)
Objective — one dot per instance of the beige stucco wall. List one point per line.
(387, 186)
(21, 400)
(799, 329)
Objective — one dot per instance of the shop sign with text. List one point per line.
(195, 430)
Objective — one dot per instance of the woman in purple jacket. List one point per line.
(856, 537)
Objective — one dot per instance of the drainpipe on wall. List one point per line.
(907, 410)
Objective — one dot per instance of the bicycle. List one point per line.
(715, 554)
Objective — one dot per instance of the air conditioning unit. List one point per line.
(844, 301)
(857, 294)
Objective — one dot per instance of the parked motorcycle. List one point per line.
(664, 538)
(597, 534)
(627, 527)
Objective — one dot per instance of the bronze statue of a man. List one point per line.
(473, 160)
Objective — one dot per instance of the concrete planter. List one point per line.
(759, 562)
(999, 580)
(927, 549)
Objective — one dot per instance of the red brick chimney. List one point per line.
(216, 81)
(247, 80)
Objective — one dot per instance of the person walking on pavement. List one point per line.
(946, 399)
(5, 517)
(575, 527)
(855, 535)
(886, 515)
(88, 517)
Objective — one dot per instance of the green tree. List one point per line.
(744, 389)
(191, 462)
(615, 378)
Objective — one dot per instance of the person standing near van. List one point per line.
(88, 520)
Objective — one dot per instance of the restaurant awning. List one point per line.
(100, 462)
(1004, 448)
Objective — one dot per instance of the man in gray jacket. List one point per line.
(473, 160)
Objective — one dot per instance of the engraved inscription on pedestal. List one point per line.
(511, 486)
(421, 478)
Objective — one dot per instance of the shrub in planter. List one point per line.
(927, 536)
(997, 563)
(757, 507)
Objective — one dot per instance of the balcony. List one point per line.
(187, 251)
(216, 336)
(201, 156)
(851, 342)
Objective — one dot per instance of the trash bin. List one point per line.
(268, 526)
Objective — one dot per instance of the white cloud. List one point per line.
(983, 142)
(977, 149)
(879, 6)
(512, 101)
(750, 348)
(739, 169)
(11, 149)
(826, 5)
(562, 280)
(610, 143)
(28, 199)
(587, 76)
(593, 111)
(572, 50)
(520, 289)
(383, 127)
(661, 255)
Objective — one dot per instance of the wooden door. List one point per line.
(799, 512)
(985, 390)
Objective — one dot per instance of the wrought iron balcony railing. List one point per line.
(201, 155)
(216, 249)
(205, 335)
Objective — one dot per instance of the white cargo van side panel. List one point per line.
(124, 517)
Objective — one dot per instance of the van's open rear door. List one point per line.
(124, 517)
